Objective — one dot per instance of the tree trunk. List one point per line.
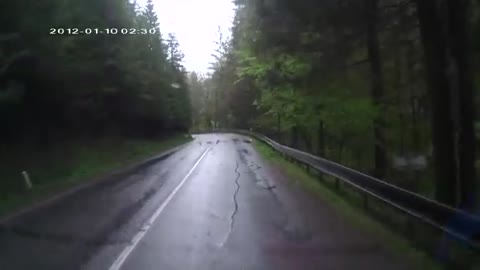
(378, 87)
(215, 114)
(279, 127)
(294, 139)
(307, 140)
(459, 38)
(444, 161)
(321, 139)
(397, 85)
(413, 99)
(341, 145)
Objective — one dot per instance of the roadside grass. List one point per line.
(351, 207)
(68, 164)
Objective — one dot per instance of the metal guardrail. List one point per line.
(457, 224)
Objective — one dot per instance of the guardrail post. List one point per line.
(365, 201)
(307, 168)
(337, 184)
(409, 229)
(26, 179)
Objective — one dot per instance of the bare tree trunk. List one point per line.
(307, 140)
(444, 161)
(413, 99)
(414, 104)
(279, 127)
(215, 115)
(378, 86)
(459, 38)
(341, 145)
(321, 139)
(397, 84)
(294, 138)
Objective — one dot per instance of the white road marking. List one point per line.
(138, 237)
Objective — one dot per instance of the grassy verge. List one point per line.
(67, 164)
(347, 207)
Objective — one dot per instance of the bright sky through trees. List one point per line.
(195, 23)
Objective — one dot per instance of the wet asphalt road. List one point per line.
(215, 204)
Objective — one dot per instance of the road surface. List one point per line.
(215, 204)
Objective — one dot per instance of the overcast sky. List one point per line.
(195, 23)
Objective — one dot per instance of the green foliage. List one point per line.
(343, 115)
(301, 73)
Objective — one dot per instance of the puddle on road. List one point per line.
(245, 151)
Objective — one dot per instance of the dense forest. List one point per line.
(62, 85)
(387, 87)
(75, 104)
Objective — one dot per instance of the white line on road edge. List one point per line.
(138, 237)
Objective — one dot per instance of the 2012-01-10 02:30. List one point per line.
(102, 31)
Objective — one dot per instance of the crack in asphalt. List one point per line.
(235, 201)
(235, 211)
